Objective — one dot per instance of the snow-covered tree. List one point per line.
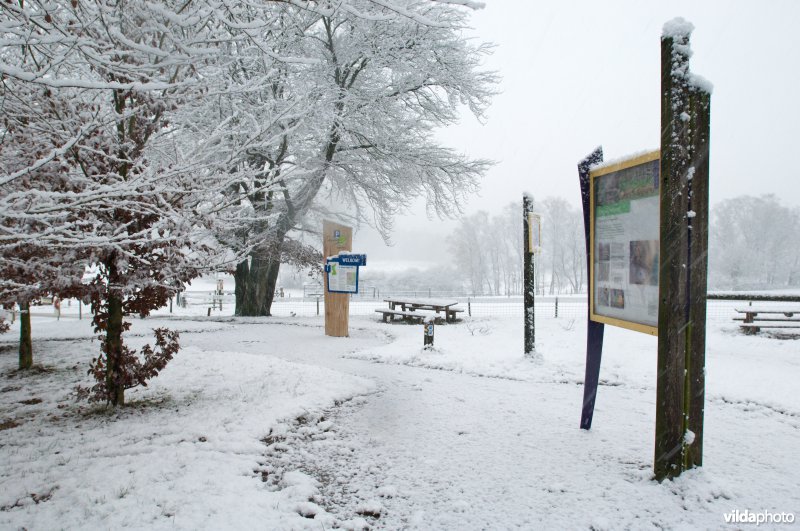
(92, 173)
(489, 251)
(748, 243)
(357, 90)
(563, 241)
(28, 268)
(467, 244)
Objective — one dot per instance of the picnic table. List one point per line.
(770, 317)
(412, 308)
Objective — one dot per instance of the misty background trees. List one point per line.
(488, 250)
(753, 244)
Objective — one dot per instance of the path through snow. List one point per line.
(448, 449)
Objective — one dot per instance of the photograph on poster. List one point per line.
(644, 262)
(625, 243)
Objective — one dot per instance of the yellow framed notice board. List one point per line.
(534, 233)
(624, 239)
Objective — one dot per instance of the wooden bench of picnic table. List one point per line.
(408, 315)
(439, 306)
(756, 318)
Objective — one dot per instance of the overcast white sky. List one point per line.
(578, 74)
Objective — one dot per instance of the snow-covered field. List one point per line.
(269, 424)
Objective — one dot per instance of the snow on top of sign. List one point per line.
(619, 160)
(677, 27)
(344, 253)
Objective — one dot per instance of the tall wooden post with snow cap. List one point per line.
(336, 238)
(685, 126)
(528, 277)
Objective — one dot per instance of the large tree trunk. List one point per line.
(25, 344)
(114, 383)
(256, 282)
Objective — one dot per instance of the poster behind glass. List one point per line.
(626, 243)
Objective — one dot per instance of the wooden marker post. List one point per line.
(336, 238)
(680, 394)
(528, 277)
(427, 341)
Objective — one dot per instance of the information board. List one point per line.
(625, 243)
(534, 233)
(342, 278)
(342, 272)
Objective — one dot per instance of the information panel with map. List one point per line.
(624, 237)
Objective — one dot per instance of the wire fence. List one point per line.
(196, 303)
(547, 307)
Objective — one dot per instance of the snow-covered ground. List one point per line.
(269, 424)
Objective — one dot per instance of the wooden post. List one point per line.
(528, 278)
(594, 329)
(427, 338)
(685, 119)
(336, 238)
(25, 344)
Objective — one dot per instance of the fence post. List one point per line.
(469, 307)
(317, 306)
(556, 307)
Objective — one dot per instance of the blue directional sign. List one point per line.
(342, 272)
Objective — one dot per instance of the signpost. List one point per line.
(528, 276)
(335, 239)
(685, 129)
(427, 339)
(646, 220)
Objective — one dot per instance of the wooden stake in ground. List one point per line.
(336, 238)
(528, 278)
(685, 118)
